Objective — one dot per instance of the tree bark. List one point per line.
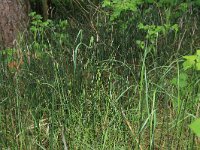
(45, 8)
(13, 19)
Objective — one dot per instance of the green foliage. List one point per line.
(8, 57)
(183, 80)
(153, 31)
(7, 54)
(195, 127)
(37, 25)
(119, 6)
(192, 61)
(41, 29)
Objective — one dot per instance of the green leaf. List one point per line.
(183, 83)
(198, 56)
(115, 15)
(175, 27)
(141, 26)
(191, 57)
(183, 6)
(32, 14)
(183, 76)
(9, 51)
(106, 3)
(188, 64)
(192, 61)
(141, 44)
(33, 29)
(198, 52)
(195, 127)
(198, 66)
(46, 23)
(182, 80)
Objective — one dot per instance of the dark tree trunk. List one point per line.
(45, 8)
(13, 19)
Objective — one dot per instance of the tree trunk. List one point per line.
(45, 8)
(13, 19)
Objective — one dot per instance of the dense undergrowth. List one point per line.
(113, 82)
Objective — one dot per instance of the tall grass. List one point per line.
(74, 96)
